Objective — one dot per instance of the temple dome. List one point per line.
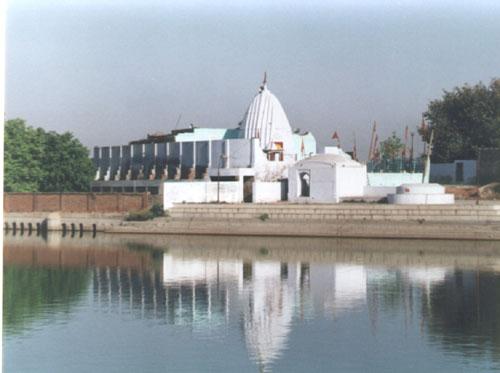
(266, 120)
(332, 156)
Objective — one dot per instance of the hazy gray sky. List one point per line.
(113, 71)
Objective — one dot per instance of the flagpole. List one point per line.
(371, 150)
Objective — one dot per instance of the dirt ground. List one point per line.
(486, 192)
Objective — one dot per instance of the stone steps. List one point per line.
(458, 213)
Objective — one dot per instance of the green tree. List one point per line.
(464, 120)
(40, 161)
(66, 164)
(23, 150)
(392, 147)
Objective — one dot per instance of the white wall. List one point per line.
(293, 184)
(378, 191)
(261, 168)
(201, 192)
(351, 181)
(327, 183)
(393, 179)
(266, 191)
(322, 185)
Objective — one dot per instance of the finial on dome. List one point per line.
(264, 82)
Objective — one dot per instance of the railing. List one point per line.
(396, 165)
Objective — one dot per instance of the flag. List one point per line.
(335, 136)
(302, 148)
(354, 150)
(423, 126)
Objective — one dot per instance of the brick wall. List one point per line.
(48, 202)
(76, 202)
(19, 202)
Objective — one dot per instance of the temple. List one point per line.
(262, 160)
(260, 148)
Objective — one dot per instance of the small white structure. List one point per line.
(326, 178)
(421, 194)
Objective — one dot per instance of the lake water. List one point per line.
(122, 303)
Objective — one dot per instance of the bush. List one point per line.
(147, 214)
(264, 217)
(141, 215)
(157, 210)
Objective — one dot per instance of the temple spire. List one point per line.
(264, 82)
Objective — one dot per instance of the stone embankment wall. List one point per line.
(459, 212)
(75, 202)
(468, 221)
(471, 221)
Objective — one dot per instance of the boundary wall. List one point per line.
(263, 191)
(75, 202)
(202, 192)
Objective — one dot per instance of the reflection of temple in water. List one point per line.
(266, 292)
(263, 296)
(269, 300)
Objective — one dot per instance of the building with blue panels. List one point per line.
(260, 148)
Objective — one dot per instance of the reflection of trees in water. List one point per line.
(459, 309)
(29, 293)
(402, 291)
(463, 313)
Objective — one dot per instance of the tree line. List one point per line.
(463, 120)
(36, 160)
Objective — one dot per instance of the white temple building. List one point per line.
(261, 160)
(190, 162)
(254, 167)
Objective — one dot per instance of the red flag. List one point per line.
(423, 125)
(335, 136)
(302, 148)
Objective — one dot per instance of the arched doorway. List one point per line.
(305, 183)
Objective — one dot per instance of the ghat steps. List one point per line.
(460, 212)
